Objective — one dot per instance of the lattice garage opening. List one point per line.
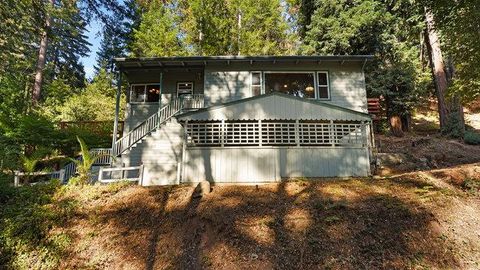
(276, 133)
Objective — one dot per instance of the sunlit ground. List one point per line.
(420, 220)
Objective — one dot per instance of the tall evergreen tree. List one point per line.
(158, 33)
(388, 30)
(51, 10)
(118, 37)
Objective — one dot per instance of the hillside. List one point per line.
(410, 221)
(421, 211)
(425, 219)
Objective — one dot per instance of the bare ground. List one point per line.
(416, 220)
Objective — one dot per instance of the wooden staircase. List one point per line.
(155, 121)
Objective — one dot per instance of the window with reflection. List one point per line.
(256, 83)
(295, 84)
(322, 80)
(144, 93)
(153, 93)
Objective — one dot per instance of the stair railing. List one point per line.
(153, 122)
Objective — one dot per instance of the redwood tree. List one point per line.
(450, 110)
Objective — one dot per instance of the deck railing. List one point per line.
(154, 121)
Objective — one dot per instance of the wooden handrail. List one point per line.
(157, 119)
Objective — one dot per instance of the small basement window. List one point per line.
(141, 93)
(323, 85)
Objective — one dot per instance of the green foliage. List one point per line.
(471, 137)
(26, 218)
(454, 127)
(95, 103)
(472, 186)
(85, 164)
(158, 33)
(34, 130)
(249, 27)
(10, 153)
(389, 31)
(344, 27)
(214, 27)
(457, 22)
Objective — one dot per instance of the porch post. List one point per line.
(117, 110)
(161, 90)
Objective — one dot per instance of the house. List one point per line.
(234, 119)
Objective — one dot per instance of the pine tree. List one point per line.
(56, 9)
(158, 33)
(219, 27)
(117, 37)
(388, 30)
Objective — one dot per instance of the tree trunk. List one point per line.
(438, 67)
(396, 126)
(446, 109)
(42, 57)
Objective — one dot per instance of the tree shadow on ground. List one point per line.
(340, 225)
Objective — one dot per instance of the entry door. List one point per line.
(184, 89)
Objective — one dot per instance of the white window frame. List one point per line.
(193, 86)
(317, 84)
(262, 91)
(144, 93)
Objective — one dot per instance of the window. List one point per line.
(256, 84)
(301, 84)
(145, 93)
(153, 93)
(323, 88)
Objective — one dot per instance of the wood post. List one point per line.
(297, 131)
(140, 175)
(160, 85)
(223, 133)
(16, 180)
(260, 132)
(117, 111)
(62, 175)
(100, 174)
(332, 133)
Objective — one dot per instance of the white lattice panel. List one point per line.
(315, 133)
(204, 133)
(348, 134)
(275, 133)
(278, 133)
(241, 133)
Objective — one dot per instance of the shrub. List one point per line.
(472, 186)
(454, 126)
(471, 137)
(26, 217)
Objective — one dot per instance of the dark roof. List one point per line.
(205, 60)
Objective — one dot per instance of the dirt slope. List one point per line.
(417, 220)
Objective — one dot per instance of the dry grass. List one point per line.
(418, 220)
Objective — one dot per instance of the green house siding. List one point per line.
(225, 83)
